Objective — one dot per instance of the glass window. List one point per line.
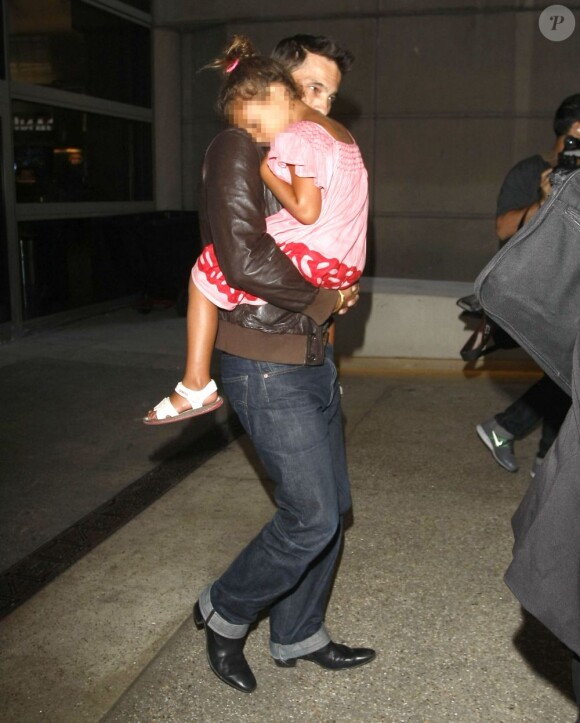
(144, 5)
(68, 155)
(72, 46)
(5, 313)
(70, 263)
(2, 60)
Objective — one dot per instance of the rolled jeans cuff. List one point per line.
(215, 621)
(295, 650)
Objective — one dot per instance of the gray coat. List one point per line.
(532, 289)
(545, 571)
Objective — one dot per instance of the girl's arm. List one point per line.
(301, 198)
(234, 214)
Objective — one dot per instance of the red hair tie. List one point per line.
(233, 66)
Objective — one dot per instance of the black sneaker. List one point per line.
(499, 442)
(470, 304)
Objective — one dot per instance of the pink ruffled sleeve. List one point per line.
(299, 149)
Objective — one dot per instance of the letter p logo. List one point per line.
(557, 23)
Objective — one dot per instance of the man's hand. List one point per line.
(350, 299)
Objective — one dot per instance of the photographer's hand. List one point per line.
(545, 191)
(545, 185)
(510, 222)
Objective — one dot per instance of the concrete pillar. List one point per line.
(167, 123)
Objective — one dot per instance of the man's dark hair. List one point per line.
(291, 52)
(567, 114)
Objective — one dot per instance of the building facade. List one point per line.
(104, 118)
(81, 226)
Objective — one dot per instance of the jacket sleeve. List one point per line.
(248, 256)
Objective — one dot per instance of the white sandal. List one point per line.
(165, 412)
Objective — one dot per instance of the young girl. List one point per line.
(316, 171)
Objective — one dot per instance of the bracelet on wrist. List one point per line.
(338, 305)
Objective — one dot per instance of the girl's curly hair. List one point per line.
(246, 74)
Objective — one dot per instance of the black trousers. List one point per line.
(544, 402)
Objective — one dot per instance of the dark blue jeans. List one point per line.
(292, 415)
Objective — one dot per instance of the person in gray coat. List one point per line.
(544, 574)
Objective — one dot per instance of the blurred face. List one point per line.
(263, 118)
(319, 78)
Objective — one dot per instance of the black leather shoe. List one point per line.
(226, 656)
(333, 656)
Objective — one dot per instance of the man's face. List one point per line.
(320, 78)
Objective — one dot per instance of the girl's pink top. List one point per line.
(331, 251)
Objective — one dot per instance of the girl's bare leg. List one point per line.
(202, 322)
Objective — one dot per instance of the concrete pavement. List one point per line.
(110, 638)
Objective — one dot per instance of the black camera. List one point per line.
(569, 157)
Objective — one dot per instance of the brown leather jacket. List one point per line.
(292, 327)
